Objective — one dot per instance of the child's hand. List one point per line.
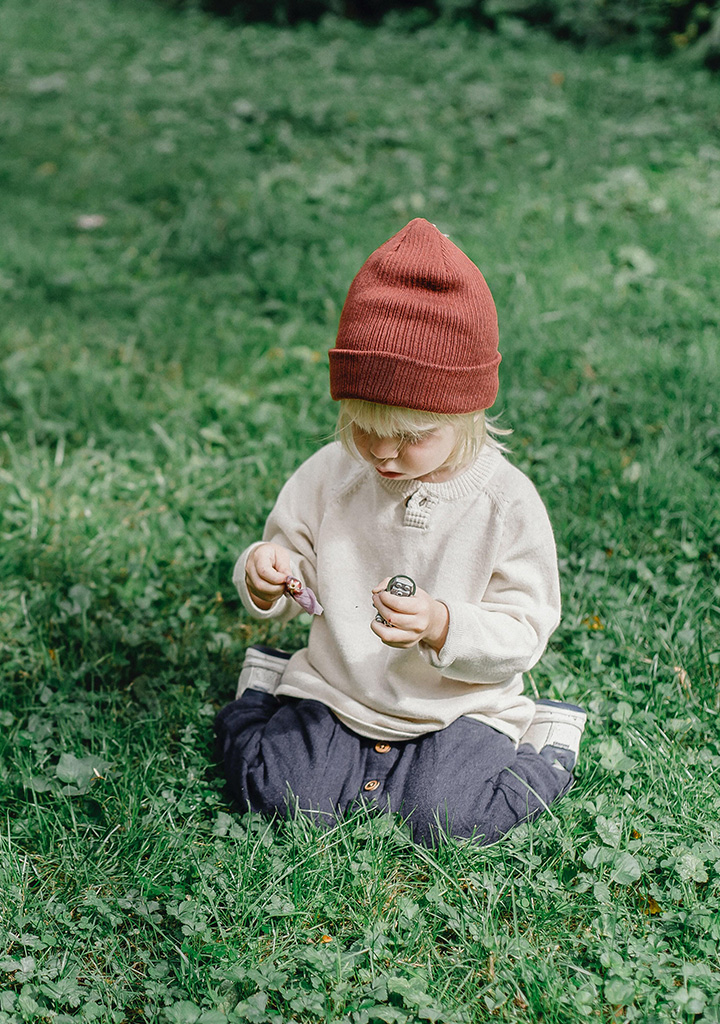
(266, 569)
(412, 619)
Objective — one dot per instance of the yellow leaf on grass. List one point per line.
(651, 906)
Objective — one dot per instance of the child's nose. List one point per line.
(383, 448)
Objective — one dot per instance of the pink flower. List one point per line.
(303, 595)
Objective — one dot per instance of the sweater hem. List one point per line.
(375, 731)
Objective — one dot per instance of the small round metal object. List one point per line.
(382, 748)
(401, 586)
(371, 785)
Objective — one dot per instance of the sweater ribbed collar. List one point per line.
(470, 481)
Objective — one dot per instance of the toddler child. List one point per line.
(414, 705)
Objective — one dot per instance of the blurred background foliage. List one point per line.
(660, 26)
(186, 201)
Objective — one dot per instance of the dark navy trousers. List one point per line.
(467, 780)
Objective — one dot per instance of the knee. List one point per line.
(244, 717)
(283, 764)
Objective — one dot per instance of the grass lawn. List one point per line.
(184, 206)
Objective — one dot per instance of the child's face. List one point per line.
(397, 458)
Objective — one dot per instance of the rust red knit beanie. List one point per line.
(418, 328)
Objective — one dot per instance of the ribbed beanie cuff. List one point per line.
(418, 328)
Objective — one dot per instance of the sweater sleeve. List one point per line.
(293, 524)
(507, 630)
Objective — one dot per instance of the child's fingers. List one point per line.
(394, 620)
(385, 630)
(398, 618)
(392, 636)
(260, 584)
(265, 591)
(398, 603)
(381, 586)
(265, 572)
(271, 563)
(381, 606)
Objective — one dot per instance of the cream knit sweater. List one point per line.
(481, 543)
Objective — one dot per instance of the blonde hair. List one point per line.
(472, 429)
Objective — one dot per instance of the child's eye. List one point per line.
(413, 439)
(402, 440)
